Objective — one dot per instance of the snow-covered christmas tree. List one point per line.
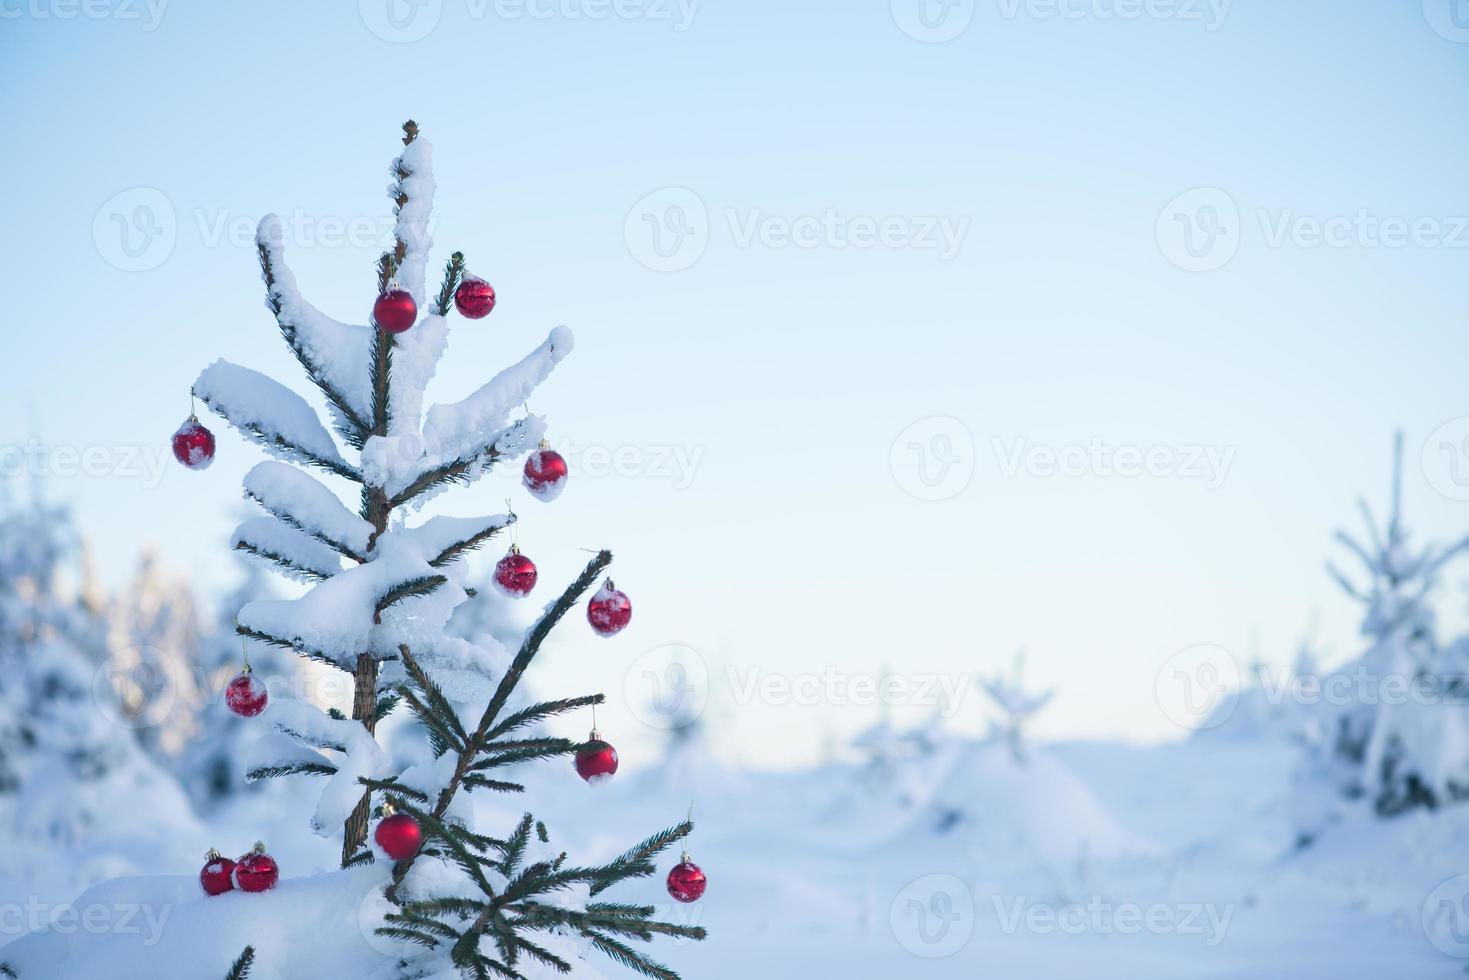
(436, 894)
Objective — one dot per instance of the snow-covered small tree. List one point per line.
(1017, 706)
(383, 590)
(66, 756)
(1401, 751)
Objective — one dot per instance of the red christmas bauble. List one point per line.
(545, 473)
(474, 298)
(193, 445)
(399, 836)
(610, 610)
(256, 871)
(394, 311)
(218, 875)
(515, 575)
(596, 762)
(686, 881)
(246, 695)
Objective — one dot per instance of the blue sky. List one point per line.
(991, 253)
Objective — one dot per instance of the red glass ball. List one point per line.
(218, 875)
(596, 762)
(545, 474)
(515, 575)
(246, 696)
(609, 611)
(686, 882)
(395, 311)
(474, 298)
(193, 445)
(399, 836)
(256, 871)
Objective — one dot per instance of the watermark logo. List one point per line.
(667, 230)
(135, 230)
(670, 229)
(1448, 18)
(401, 21)
(933, 21)
(1445, 459)
(667, 688)
(933, 917)
(1446, 917)
(1199, 230)
(933, 458)
(137, 687)
(1194, 682)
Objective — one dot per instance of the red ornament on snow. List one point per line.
(474, 298)
(193, 445)
(256, 871)
(545, 473)
(400, 836)
(686, 881)
(610, 610)
(394, 310)
(246, 695)
(218, 875)
(515, 574)
(596, 762)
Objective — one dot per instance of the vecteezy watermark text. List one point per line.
(670, 229)
(1099, 459)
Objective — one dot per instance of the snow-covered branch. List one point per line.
(299, 500)
(467, 426)
(334, 354)
(272, 415)
(297, 554)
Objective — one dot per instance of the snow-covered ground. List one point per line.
(1093, 860)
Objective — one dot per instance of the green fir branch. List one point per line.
(453, 272)
(542, 711)
(459, 549)
(280, 641)
(424, 585)
(291, 769)
(636, 862)
(282, 561)
(241, 969)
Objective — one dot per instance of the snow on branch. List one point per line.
(466, 426)
(334, 354)
(349, 614)
(295, 553)
(448, 539)
(412, 192)
(298, 499)
(431, 474)
(272, 415)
